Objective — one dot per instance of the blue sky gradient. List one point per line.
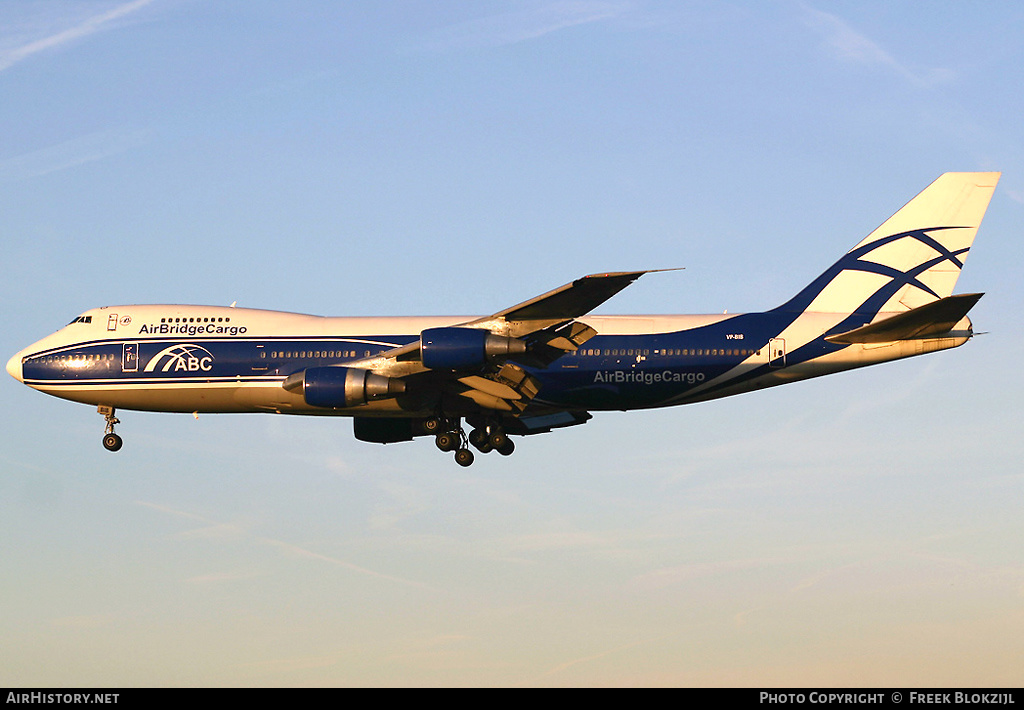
(431, 158)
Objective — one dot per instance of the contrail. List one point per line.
(84, 29)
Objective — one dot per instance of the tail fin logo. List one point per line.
(913, 259)
(937, 264)
(895, 272)
(186, 357)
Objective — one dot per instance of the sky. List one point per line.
(398, 158)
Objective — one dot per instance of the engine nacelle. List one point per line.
(464, 348)
(340, 387)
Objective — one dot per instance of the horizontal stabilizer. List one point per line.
(930, 320)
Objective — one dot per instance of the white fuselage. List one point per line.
(176, 358)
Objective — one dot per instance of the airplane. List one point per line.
(541, 365)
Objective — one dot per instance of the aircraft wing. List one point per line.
(535, 332)
(549, 318)
(564, 303)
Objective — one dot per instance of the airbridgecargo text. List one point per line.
(647, 378)
(192, 329)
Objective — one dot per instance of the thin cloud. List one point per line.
(527, 24)
(594, 657)
(405, 503)
(309, 554)
(286, 547)
(673, 576)
(218, 577)
(89, 26)
(850, 45)
(290, 665)
(90, 621)
(1015, 195)
(70, 154)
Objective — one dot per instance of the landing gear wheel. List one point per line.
(464, 457)
(432, 425)
(112, 442)
(508, 448)
(479, 439)
(499, 440)
(447, 441)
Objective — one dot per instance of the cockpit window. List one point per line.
(81, 319)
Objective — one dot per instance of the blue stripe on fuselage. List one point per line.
(607, 372)
(667, 367)
(197, 359)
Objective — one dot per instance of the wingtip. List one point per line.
(634, 274)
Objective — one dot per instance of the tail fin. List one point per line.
(913, 259)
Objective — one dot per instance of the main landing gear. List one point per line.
(491, 438)
(451, 437)
(111, 441)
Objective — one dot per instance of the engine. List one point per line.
(340, 387)
(464, 348)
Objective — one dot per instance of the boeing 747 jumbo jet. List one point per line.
(531, 368)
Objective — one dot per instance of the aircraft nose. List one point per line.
(14, 367)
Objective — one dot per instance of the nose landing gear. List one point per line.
(111, 441)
